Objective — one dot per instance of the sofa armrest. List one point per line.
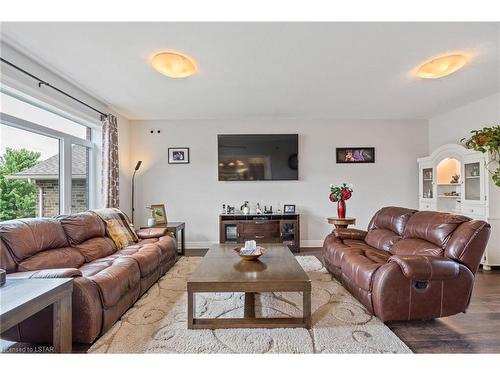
(151, 233)
(425, 268)
(349, 234)
(52, 273)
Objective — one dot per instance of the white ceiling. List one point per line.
(299, 70)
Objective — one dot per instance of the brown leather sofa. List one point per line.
(409, 264)
(106, 282)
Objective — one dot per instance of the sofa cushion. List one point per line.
(360, 266)
(166, 243)
(82, 226)
(416, 246)
(391, 218)
(148, 257)
(114, 276)
(432, 226)
(382, 239)
(95, 248)
(26, 237)
(66, 257)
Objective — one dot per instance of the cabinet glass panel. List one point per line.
(427, 183)
(231, 232)
(472, 181)
(288, 232)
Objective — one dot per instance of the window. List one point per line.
(45, 162)
(29, 174)
(79, 178)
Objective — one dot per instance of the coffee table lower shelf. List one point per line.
(249, 320)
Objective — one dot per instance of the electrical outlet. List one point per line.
(154, 131)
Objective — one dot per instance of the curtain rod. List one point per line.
(44, 83)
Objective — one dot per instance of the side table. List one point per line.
(341, 222)
(22, 298)
(175, 227)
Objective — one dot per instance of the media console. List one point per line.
(263, 228)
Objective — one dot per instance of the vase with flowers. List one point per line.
(340, 194)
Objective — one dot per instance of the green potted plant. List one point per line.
(487, 140)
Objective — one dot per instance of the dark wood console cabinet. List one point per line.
(263, 228)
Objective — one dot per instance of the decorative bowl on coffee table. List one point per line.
(250, 257)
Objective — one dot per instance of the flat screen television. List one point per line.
(254, 157)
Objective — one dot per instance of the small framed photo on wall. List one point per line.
(355, 155)
(289, 209)
(178, 155)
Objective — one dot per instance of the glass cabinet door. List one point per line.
(472, 181)
(427, 185)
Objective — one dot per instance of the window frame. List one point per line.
(65, 158)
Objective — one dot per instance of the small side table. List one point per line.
(341, 223)
(22, 298)
(175, 227)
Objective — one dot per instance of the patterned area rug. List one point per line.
(157, 322)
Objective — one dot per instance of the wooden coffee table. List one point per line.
(222, 270)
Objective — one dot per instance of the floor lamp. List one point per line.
(137, 166)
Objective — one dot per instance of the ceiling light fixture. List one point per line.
(173, 65)
(441, 66)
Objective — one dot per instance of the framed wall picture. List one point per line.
(355, 155)
(289, 209)
(178, 155)
(159, 214)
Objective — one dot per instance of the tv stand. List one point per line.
(264, 228)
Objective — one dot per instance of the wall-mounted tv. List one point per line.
(254, 157)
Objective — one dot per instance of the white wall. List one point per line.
(124, 142)
(193, 194)
(454, 125)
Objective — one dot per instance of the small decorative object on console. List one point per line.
(340, 194)
(245, 208)
(289, 209)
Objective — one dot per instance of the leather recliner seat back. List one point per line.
(467, 243)
(387, 226)
(87, 233)
(36, 244)
(427, 233)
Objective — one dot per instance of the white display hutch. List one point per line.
(470, 196)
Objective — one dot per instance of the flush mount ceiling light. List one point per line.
(173, 65)
(441, 66)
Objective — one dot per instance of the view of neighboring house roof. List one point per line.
(48, 169)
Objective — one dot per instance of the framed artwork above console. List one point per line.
(355, 155)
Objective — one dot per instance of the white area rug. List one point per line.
(157, 322)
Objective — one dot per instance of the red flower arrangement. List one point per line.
(340, 194)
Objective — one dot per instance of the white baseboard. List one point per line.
(207, 244)
(311, 243)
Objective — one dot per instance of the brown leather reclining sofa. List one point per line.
(409, 264)
(106, 282)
